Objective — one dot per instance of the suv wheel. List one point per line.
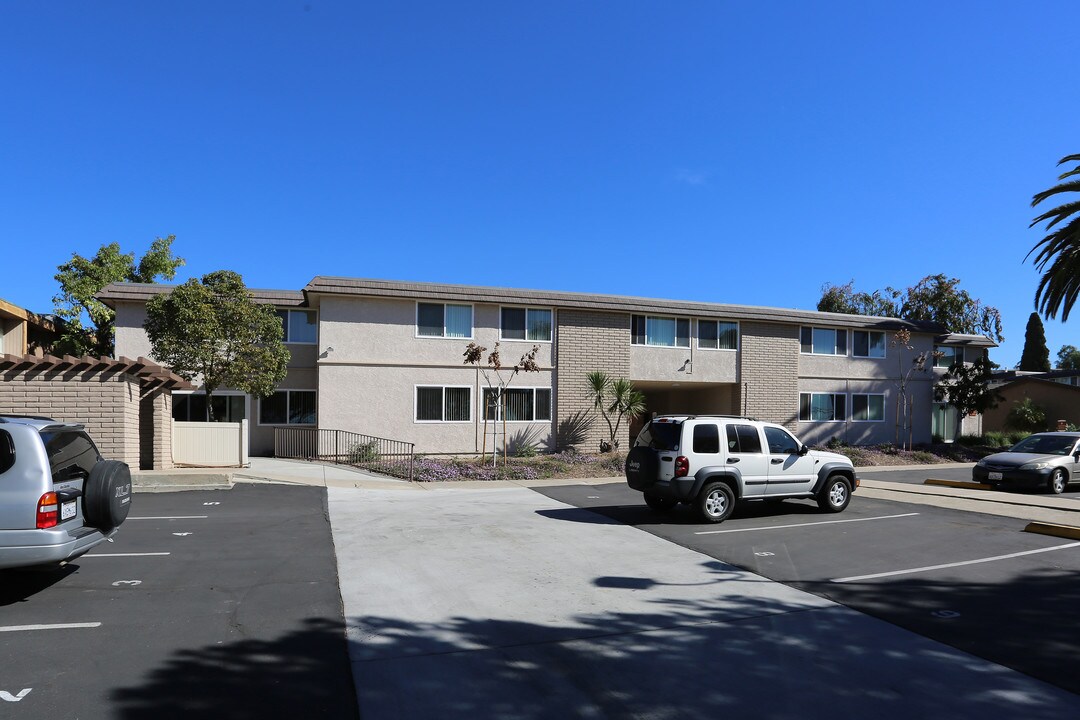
(660, 504)
(835, 495)
(715, 502)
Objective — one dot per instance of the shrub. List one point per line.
(362, 453)
(921, 456)
(835, 443)
(1026, 415)
(970, 440)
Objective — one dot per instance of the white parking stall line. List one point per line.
(175, 517)
(928, 568)
(97, 555)
(58, 626)
(820, 522)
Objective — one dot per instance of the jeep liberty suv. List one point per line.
(58, 496)
(714, 461)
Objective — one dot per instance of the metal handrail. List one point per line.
(381, 455)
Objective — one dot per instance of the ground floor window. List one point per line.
(191, 407)
(822, 407)
(867, 408)
(518, 404)
(443, 404)
(288, 407)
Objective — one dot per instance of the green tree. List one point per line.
(966, 387)
(1036, 356)
(81, 279)
(844, 299)
(935, 298)
(1058, 253)
(211, 330)
(1026, 416)
(616, 399)
(1068, 358)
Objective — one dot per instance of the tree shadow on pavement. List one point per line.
(304, 674)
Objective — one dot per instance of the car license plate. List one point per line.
(994, 476)
(67, 510)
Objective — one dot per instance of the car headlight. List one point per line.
(1035, 466)
(981, 463)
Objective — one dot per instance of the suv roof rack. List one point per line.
(8, 418)
(689, 416)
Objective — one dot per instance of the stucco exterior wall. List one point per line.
(1059, 401)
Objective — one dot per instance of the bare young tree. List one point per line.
(492, 369)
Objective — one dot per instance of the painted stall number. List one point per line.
(211, 503)
(764, 554)
(132, 583)
(5, 695)
(181, 534)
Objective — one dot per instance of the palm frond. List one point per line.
(1058, 214)
(1071, 186)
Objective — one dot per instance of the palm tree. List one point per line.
(1060, 283)
(614, 398)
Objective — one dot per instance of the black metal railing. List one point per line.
(388, 457)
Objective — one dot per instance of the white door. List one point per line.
(745, 453)
(789, 472)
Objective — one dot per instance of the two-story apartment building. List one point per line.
(385, 358)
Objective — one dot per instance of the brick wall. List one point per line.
(155, 430)
(107, 404)
(769, 373)
(585, 342)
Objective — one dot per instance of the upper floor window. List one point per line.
(718, 335)
(444, 320)
(868, 343)
(299, 326)
(951, 354)
(823, 341)
(660, 331)
(822, 407)
(526, 324)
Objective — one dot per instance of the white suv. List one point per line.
(712, 461)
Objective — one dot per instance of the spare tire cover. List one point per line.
(107, 495)
(641, 467)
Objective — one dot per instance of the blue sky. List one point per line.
(736, 152)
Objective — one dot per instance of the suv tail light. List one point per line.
(48, 511)
(682, 466)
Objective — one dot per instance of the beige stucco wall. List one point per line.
(1059, 401)
(666, 364)
(380, 401)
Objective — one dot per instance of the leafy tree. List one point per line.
(1026, 416)
(1058, 256)
(1036, 356)
(966, 387)
(81, 279)
(492, 371)
(211, 329)
(614, 398)
(935, 298)
(844, 299)
(1068, 358)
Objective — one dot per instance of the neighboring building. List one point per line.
(385, 358)
(1056, 392)
(23, 332)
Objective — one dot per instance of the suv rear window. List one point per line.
(661, 435)
(72, 454)
(7, 451)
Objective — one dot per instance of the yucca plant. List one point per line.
(615, 399)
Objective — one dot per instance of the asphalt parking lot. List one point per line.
(208, 604)
(970, 580)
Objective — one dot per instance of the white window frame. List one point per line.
(957, 350)
(498, 409)
(738, 335)
(676, 318)
(527, 309)
(258, 418)
(884, 345)
(811, 393)
(443, 388)
(444, 336)
(812, 328)
(867, 395)
(288, 325)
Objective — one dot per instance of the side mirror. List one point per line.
(803, 450)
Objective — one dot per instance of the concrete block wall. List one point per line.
(769, 373)
(587, 341)
(155, 430)
(107, 404)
